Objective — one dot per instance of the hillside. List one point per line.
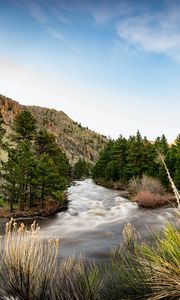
(76, 140)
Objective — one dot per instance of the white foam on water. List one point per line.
(96, 216)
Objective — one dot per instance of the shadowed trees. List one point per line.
(36, 168)
(123, 159)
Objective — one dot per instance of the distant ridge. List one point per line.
(76, 140)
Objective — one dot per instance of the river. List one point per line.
(95, 219)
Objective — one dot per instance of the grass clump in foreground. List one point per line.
(141, 271)
(32, 270)
(28, 263)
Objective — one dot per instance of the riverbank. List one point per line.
(142, 196)
(51, 207)
(94, 221)
(118, 186)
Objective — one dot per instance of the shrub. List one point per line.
(150, 200)
(148, 192)
(145, 183)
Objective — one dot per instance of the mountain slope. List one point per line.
(75, 140)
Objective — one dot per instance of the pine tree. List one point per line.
(48, 179)
(46, 143)
(26, 162)
(81, 169)
(24, 126)
(9, 174)
(119, 157)
(106, 155)
(136, 155)
(2, 130)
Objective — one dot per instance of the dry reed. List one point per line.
(175, 190)
(29, 262)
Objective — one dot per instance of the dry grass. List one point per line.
(175, 190)
(32, 270)
(148, 192)
(28, 262)
(148, 199)
(162, 263)
(77, 280)
(141, 271)
(145, 183)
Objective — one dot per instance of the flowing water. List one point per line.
(95, 219)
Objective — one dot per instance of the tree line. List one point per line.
(124, 158)
(36, 169)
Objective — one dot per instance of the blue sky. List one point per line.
(112, 65)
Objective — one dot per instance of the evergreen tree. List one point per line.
(112, 171)
(136, 156)
(48, 179)
(2, 130)
(81, 169)
(26, 164)
(35, 169)
(105, 157)
(119, 157)
(46, 143)
(9, 174)
(161, 144)
(24, 126)
(123, 159)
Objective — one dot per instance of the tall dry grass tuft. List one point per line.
(32, 269)
(175, 190)
(29, 263)
(162, 264)
(145, 183)
(127, 277)
(77, 280)
(141, 271)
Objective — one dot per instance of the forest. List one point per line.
(36, 171)
(124, 158)
(134, 164)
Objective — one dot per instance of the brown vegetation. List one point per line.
(145, 183)
(148, 192)
(149, 199)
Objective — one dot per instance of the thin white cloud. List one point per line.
(37, 11)
(60, 37)
(159, 33)
(56, 34)
(108, 11)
